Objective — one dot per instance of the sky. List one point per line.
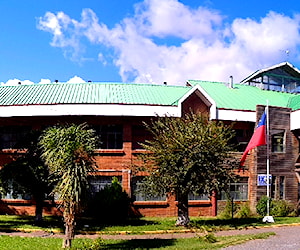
(144, 41)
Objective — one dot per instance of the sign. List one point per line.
(262, 180)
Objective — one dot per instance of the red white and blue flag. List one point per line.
(258, 138)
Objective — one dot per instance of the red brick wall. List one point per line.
(110, 162)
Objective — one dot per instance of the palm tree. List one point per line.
(68, 152)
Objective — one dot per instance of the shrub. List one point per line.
(110, 204)
(228, 210)
(281, 208)
(243, 210)
(261, 207)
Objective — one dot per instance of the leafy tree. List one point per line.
(187, 155)
(27, 174)
(68, 152)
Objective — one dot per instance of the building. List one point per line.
(116, 111)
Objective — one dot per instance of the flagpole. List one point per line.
(268, 160)
(268, 218)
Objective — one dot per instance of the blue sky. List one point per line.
(150, 41)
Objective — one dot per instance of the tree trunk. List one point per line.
(69, 230)
(39, 209)
(183, 210)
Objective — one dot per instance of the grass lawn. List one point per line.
(24, 243)
(136, 226)
(132, 226)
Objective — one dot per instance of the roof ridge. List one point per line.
(91, 83)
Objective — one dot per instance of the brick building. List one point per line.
(116, 111)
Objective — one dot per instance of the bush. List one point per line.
(110, 204)
(279, 208)
(261, 207)
(243, 210)
(229, 210)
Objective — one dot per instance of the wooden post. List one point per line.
(214, 203)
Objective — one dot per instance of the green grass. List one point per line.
(137, 226)
(24, 243)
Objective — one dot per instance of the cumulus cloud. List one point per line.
(76, 79)
(207, 46)
(45, 81)
(15, 82)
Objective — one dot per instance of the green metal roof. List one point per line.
(245, 97)
(241, 97)
(93, 93)
(294, 102)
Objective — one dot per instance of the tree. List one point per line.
(27, 174)
(68, 152)
(187, 155)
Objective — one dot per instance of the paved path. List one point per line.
(285, 238)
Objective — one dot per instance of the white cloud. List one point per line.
(76, 79)
(15, 82)
(207, 48)
(45, 81)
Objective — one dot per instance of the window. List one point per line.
(139, 134)
(100, 182)
(278, 141)
(111, 136)
(278, 187)
(11, 196)
(139, 195)
(281, 187)
(241, 139)
(273, 188)
(201, 197)
(11, 136)
(237, 190)
(15, 194)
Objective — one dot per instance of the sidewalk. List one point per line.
(153, 235)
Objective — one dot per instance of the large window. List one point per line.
(278, 187)
(15, 194)
(202, 197)
(111, 136)
(278, 141)
(100, 182)
(237, 190)
(241, 139)
(139, 135)
(139, 195)
(11, 136)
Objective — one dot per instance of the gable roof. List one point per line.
(287, 70)
(91, 93)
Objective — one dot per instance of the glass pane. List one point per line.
(139, 195)
(278, 142)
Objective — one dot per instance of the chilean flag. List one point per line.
(258, 138)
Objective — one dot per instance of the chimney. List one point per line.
(230, 82)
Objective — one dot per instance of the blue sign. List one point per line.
(262, 180)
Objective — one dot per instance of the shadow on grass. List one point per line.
(232, 223)
(13, 222)
(94, 224)
(140, 244)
